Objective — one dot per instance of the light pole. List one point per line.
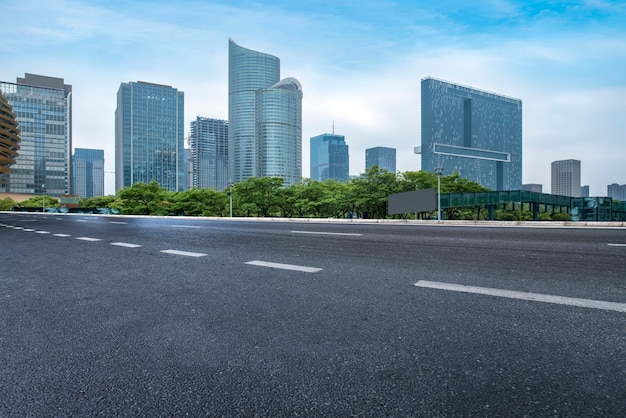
(438, 171)
(43, 198)
(230, 194)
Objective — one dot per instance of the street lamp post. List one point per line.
(43, 198)
(230, 194)
(438, 172)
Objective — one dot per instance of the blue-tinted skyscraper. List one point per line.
(43, 106)
(248, 71)
(473, 132)
(88, 168)
(208, 146)
(278, 134)
(383, 157)
(330, 158)
(149, 136)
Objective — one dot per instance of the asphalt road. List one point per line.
(120, 316)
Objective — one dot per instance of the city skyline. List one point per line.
(361, 64)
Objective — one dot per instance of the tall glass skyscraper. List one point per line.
(473, 132)
(43, 106)
(330, 158)
(278, 133)
(208, 146)
(383, 157)
(88, 167)
(149, 136)
(248, 71)
(565, 178)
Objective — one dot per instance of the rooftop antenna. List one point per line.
(333, 127)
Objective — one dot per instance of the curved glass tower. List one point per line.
(278, 120)
(248, 71)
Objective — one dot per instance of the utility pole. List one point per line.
(438, 172)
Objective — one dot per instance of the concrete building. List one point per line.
(565, 178)
(533, 187)
(43, 109)
(330, 158)
(9, 137)
(88, 168)
(616, 191)
(473, 132)
(149, 136)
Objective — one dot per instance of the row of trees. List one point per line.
(363, 197)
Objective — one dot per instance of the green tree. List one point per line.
(370, 193)
(143, 199)
(38, 202)
(97, 202)
(257, 196)
(7, 203)
(199, 202)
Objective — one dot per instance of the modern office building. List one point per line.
(584, 191)
(616, 191)
(566, 178)
(278, 131)
(9, 137)
(473, 132)
(330, 158)
(149, 136)
(208, 148)
(43, 109)
(383, 157)
(248, 71)
(88, 168)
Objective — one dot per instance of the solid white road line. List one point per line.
(536, 297)
(186, 226)
(186, 253)
(284, 266)
(327, 233)
(125, 244)
(88, 239)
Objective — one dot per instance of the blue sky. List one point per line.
(360, 64)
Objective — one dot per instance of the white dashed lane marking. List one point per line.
(185, 253)
(616, 245)
(327, 233)
(535, 297)
(284, 266)
(125, 244)
(88, 239)
(62, 235)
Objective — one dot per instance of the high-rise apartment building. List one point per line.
(278, 132)
(9, 137)
(264, 116)
(566, 178)
(616, 191)
(473, 132)
(88, 167)
(149, 136)
(330, 158)
(208, 147)
(248, 71)
(383, 157)
(43, 109)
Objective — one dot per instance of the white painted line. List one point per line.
(617, 245)
(28, 229)
(186, 226)
(42, 232)
(18, 227)
(125, 244)
(327, 233)
(88, 239)
(284, 266)
(536, 297)
(81, 220)
(118, 223)
(186, 253)
(62, 235)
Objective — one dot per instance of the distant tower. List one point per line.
(383, 157)
(43, 106)
(566, 178)
(473, 132)
(248, 71)
(88, 167)
(149, 136)
(329, 158)
(278, 133)
(208, 146)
